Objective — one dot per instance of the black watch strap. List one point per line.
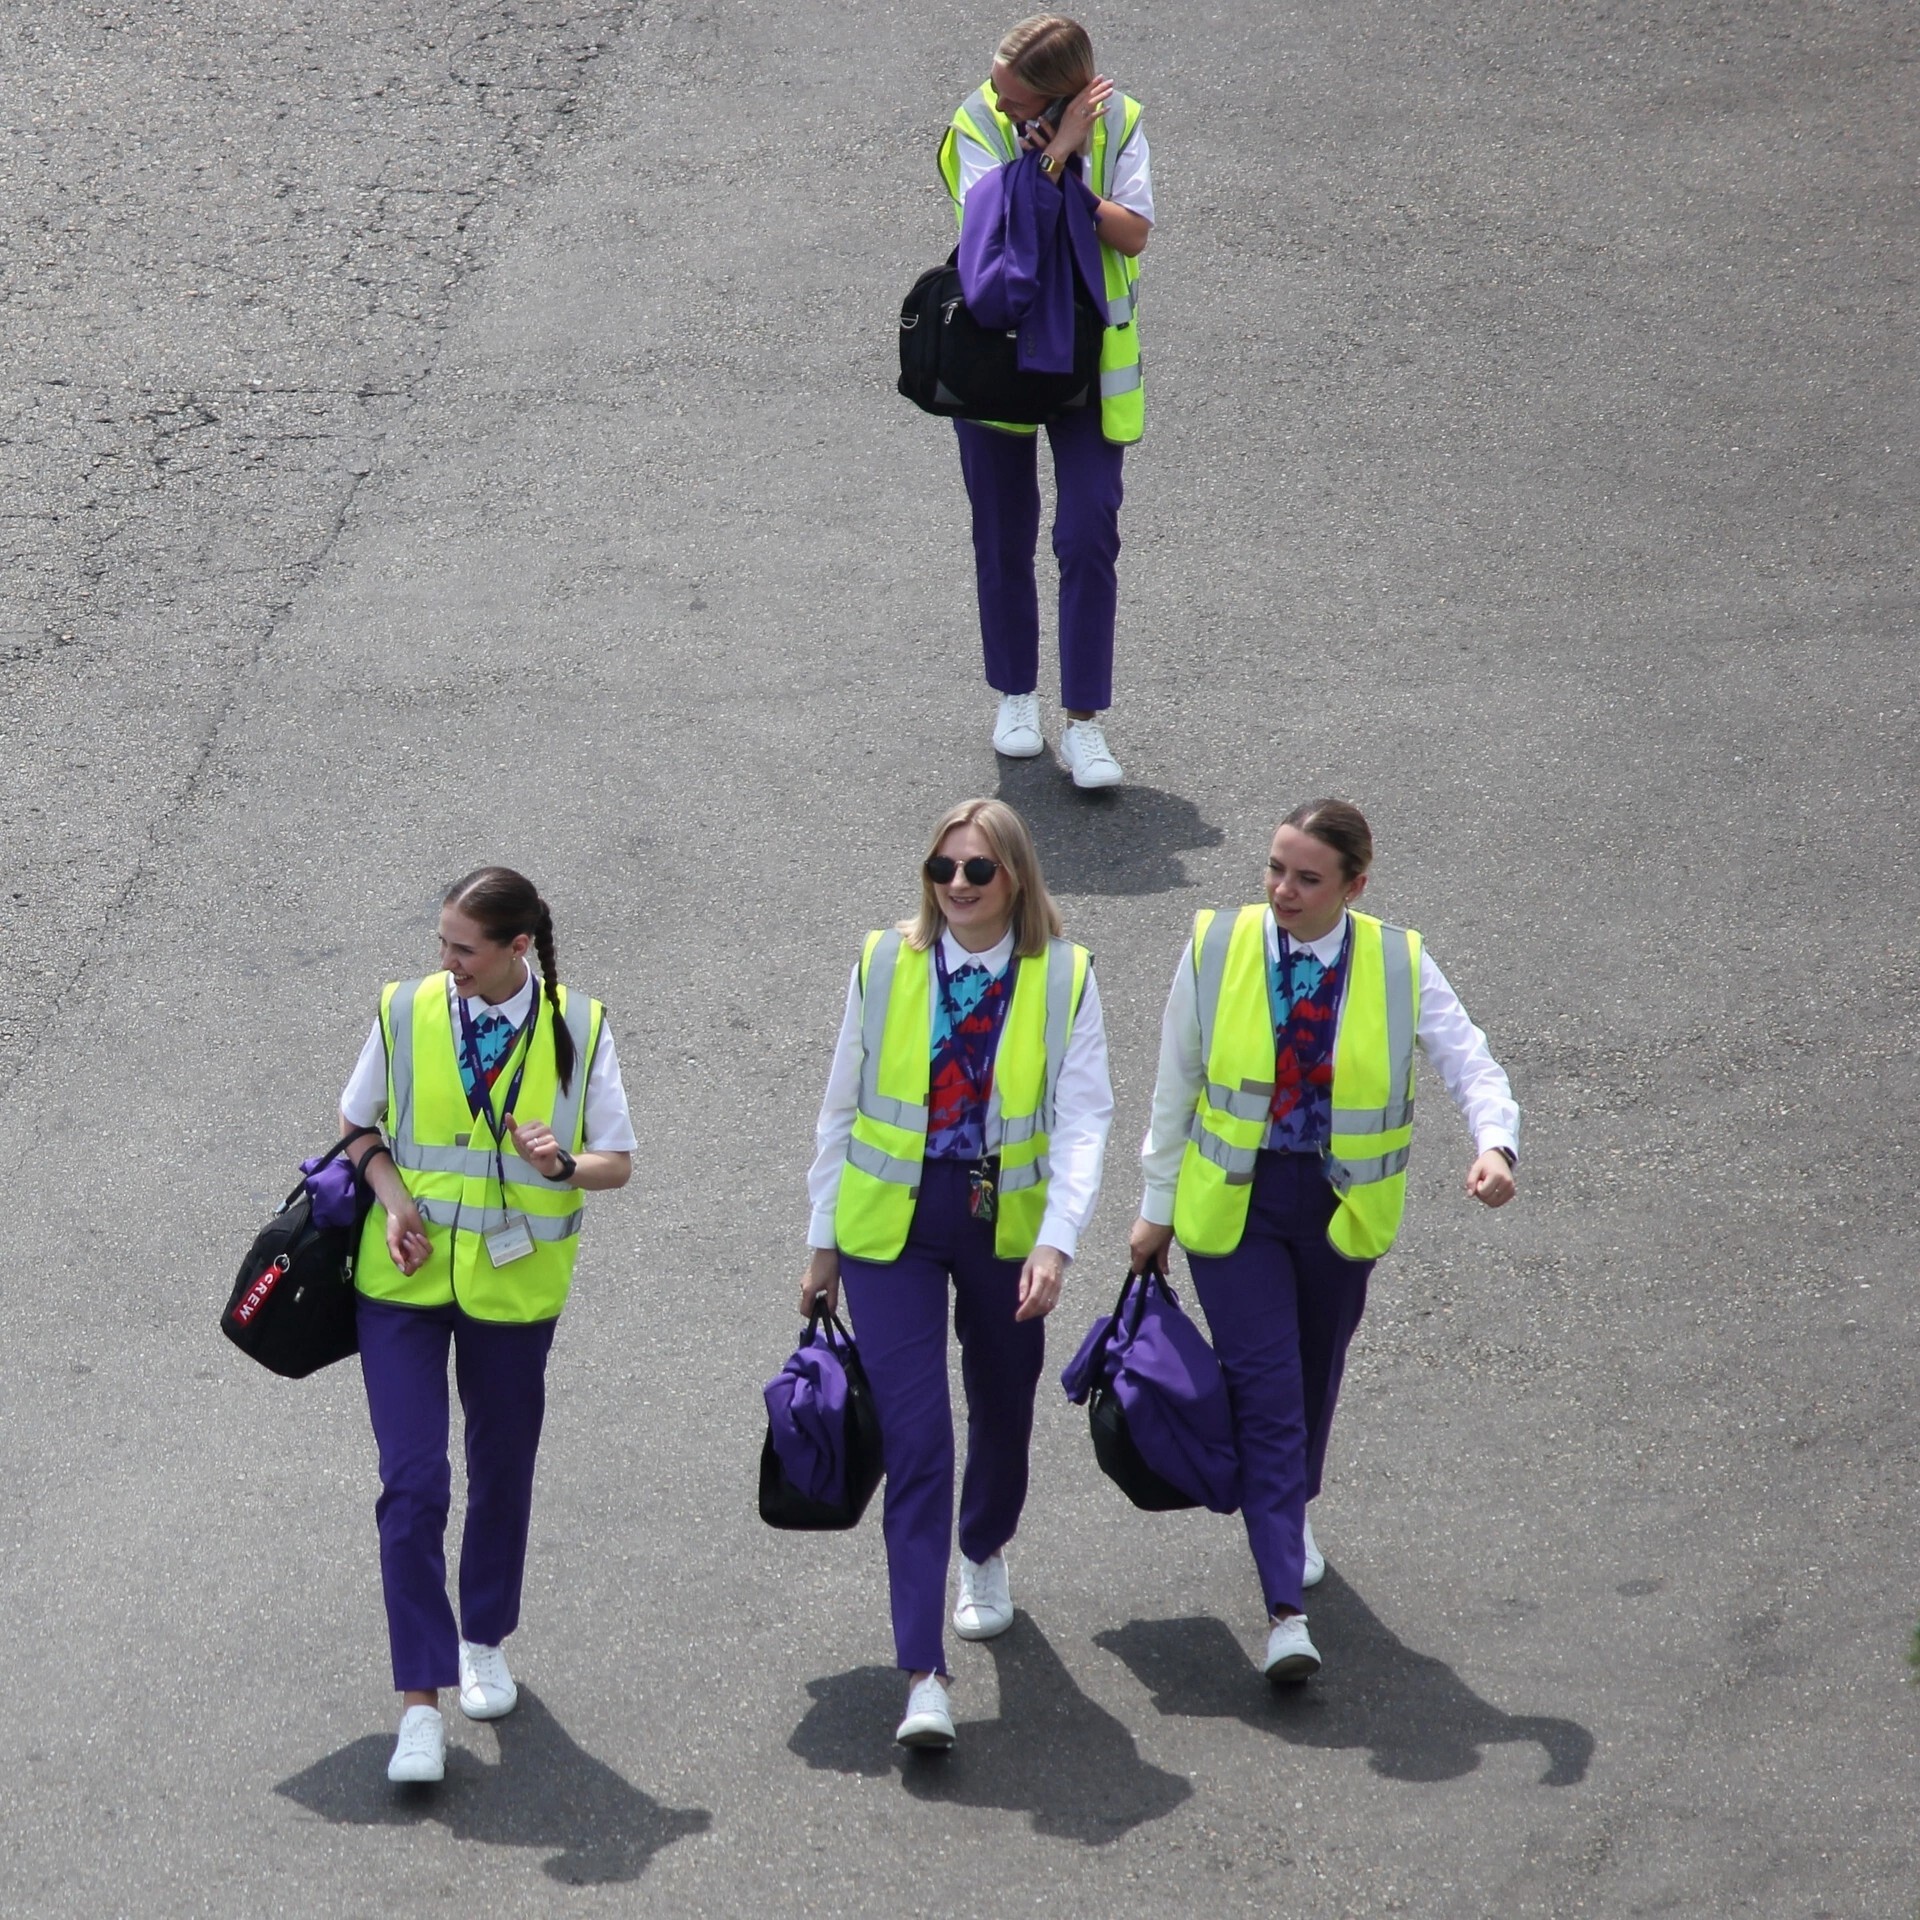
(567, 1164)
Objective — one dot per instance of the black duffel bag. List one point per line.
(292, 1307)
(782, 1504)
(953, 366)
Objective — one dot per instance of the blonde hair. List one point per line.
(1036, 920)
(1050, 53)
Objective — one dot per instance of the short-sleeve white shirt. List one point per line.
(1130, 183)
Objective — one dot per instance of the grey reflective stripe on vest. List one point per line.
(1028, 1176)
(875, 991)
(1342, 1174)
(1396, 965)
(1117, 380)
(883, 1166)
(1250, 1101)
(450, 1213)
(1001, 1133)
(472, 1163)
(1120, 312)
(1210, 970)
(571, 1100)
(978, 110)
(1235, 1162)
(400, 1060)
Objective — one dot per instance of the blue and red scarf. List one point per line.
(1305, 997)
(969, 1009)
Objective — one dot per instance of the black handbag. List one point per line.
(782, 1504)
(292, 1307)
(1113, 1446)
(952, 366)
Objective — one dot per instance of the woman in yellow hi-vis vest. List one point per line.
(1043, 96)
(499, 1101)
(960, 1145)
(1282, 1119)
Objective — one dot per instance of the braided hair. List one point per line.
(503, 905)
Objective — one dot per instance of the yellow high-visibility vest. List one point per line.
(1372, 1084)
(880, 1181)
(1123, 405)
(446, 1156)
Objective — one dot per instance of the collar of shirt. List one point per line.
(514, 1009)
(1326, 949)
(994, 959)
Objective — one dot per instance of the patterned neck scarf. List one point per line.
(1305, 999)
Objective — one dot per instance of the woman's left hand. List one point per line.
(1040, 1281)
(1490, 1179)
(536, 1145)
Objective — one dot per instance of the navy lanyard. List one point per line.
(479, 1094)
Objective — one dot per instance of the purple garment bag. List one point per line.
(1168, 1384)
(1023, 243)
(807, 1415)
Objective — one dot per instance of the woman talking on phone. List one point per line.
(499, 1100)
(1277, 1154)
(1044, 96)
(959, 1152)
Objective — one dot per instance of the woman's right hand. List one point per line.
(1147, 1246)
(1076, 122)
(407, 1242)
(821, 1281)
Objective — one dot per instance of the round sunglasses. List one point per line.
(941, 867)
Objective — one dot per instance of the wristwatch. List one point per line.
(1049, 165)
(567, 1164)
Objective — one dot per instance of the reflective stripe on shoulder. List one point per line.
(876, 990)
(977, 111)
(400, 1058)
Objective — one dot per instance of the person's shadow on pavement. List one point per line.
(1124, 841)
(1421, 1720)
(1053, 1754)
(544, 1793)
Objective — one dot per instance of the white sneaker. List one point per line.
(1291, 1656)
(1316, 1568)
(1016, 733)
(487, 1691)
(929, 1721)
(985, 1606)
(420, 1754)
(1085, 754)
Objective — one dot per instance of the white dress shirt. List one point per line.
(1456, 1048)
(1082, 1115)
(609, 1125)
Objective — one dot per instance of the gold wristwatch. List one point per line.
(1049, 165)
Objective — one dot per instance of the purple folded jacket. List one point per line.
(333, 1193)
(807, 1416)
(1170, 1387)
(1022, 244)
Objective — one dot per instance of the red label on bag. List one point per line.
(256, 1295)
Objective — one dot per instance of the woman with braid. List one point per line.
(499, 1101)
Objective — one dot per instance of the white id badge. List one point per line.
(507, 1244)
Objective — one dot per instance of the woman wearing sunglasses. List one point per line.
(960, 1146)
(1277, 1153)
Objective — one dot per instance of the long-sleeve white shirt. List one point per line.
(1456, 1048)
(1082, 1116)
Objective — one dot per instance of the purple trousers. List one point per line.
(1003, 486)
(501, 1369)
(1282, 1308)
(899, 1310)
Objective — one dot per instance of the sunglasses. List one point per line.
(941, 868)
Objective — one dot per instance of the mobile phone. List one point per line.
(1051, 112)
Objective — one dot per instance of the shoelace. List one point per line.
(1091, 741)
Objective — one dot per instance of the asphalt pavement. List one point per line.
(464, 431)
